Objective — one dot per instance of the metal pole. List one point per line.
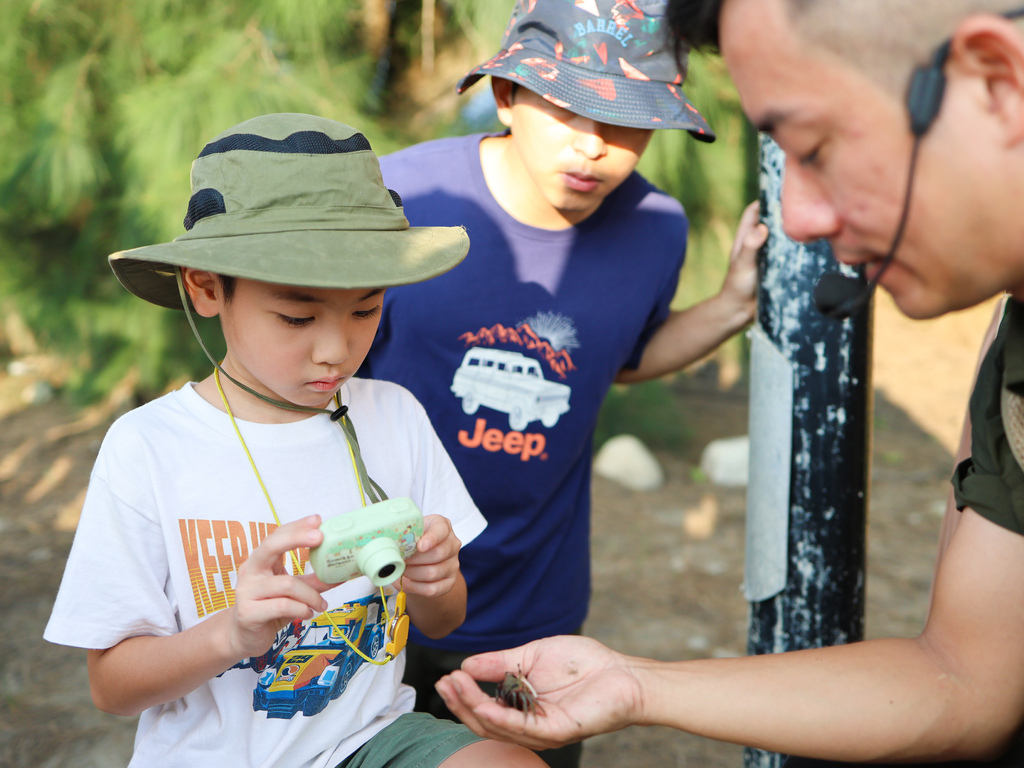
(806, 531)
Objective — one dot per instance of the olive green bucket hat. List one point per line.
(296, 200)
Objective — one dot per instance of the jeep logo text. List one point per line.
(526, 446)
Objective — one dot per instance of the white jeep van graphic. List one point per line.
(512, 383)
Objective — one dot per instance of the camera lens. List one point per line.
(381, 560)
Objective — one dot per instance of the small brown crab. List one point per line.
(516, 691)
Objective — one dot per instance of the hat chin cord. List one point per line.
(186, 305)
(339, 415)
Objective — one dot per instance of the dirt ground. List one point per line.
(673, 556)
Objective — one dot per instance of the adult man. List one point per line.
(828, 81)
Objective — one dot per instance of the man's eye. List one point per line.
(295, 321)
(811, 158)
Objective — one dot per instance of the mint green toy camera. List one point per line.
(373, 541)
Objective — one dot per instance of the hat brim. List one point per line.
(608, 98)
(311, 259)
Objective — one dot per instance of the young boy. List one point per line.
(566, 290)
(187, 580)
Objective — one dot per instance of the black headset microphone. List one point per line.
(839, 296)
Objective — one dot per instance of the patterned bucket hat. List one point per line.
(295, 200)
(607, 59)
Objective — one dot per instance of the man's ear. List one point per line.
(992, 48)
(204, 289)
(502, 90)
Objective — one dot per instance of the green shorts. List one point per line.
(415, 740)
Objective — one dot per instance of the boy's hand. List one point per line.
(433, 569)
(690, 334)
(741, 279)
(267, 597)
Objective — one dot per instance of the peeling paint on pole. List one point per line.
(822, 602)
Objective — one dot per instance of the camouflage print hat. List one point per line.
(295, 200)
(610, 60)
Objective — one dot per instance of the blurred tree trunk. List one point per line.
(376, 17)
(427, 36)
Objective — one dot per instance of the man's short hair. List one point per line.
(883, 38)
(694, 23)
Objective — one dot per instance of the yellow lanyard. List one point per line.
(398, 628)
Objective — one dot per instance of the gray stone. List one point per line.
(727, 461)
(37, 393)
(627, 461)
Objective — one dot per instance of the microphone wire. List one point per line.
(847, 307)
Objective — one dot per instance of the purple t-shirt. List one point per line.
(512, 353)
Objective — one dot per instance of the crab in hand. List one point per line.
(517, 692)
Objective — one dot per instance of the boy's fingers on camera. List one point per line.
(314, 582)
(438, 539)
(430, 580)
(293, 535)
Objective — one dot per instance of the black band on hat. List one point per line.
(299, 143)
(205, 202)
(300, 219)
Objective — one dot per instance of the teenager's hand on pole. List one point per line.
(267, 596)
(741, 279)
(583, 689)
(432, 570)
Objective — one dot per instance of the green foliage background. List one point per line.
(104, 104)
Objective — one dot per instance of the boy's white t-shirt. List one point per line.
(174, 507)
